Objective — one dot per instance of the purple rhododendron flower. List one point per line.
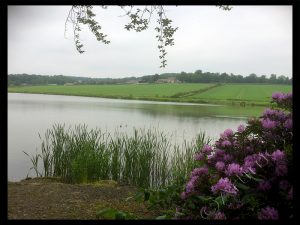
(249, 170)
(241, 128)
(219, 153)
(282, 98)
(281, 169)
(190, 187)
(226, 143)
(268, 213)
(250, 163)
(275, 114)
(262, 159)
(278, 96)
(206, 149)
(268, 112)
(251, 160)
(199, 156)
(227, 157)
(288, 124)
(211, 156)
(280, 115)
(199, 172)
(278, 155)
(220, 165)
(226, 133)
(219, 216)
(183, 195)
(224, 185)
(264, 185)
(234, 169)
(268, 124)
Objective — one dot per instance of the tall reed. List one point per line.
(145, 159)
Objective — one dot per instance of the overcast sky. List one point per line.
(247, 39)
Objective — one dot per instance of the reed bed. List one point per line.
(146, 159)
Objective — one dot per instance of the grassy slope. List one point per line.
(228, 93)
(242, 92)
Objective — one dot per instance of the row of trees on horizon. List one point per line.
(183, 77)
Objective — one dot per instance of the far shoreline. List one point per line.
(240, 103)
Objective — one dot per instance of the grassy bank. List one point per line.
(145, 159)
(244, 94)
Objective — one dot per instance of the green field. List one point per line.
(259, 94)
(122, 90)
(242, 92)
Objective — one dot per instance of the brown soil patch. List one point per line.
(44, 198)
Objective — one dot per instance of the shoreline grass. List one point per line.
(194, 101)
(144, 159)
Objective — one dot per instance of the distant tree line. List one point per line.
(196, 77)
(25, 79)
(207, 77)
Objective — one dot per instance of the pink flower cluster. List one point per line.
(224, 185)
(283, 100)
(268, 213)
(253, 157)
(281, 97)
(195, 176)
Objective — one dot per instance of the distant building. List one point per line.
(168, 80)
(132, 82)
(68, 84)
(52, 84)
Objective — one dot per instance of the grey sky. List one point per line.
(247, 39)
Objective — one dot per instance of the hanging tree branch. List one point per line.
(164, 29)
(139, 21)
(79, 15)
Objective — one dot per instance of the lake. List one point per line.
(30, 114)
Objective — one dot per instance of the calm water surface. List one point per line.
(30, 114)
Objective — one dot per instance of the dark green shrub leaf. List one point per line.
(107, 213)
(120, 215)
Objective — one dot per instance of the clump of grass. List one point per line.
(34, 160)
(145, 159)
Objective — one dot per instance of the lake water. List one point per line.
(30, 114)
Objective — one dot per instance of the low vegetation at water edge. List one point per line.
(145, 159)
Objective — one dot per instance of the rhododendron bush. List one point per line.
(246, 174)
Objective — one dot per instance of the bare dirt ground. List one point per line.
(44, 198)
